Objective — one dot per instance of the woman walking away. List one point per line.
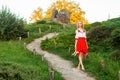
(81, 47)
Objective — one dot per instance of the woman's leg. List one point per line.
(80, 61)
(78, 64)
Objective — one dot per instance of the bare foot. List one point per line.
(83, 68)
(78, 67)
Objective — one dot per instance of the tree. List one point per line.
(76, 13)
(37, 15)
(11, 26)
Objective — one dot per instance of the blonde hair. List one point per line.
(78, 22)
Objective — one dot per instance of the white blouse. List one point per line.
(80, 34)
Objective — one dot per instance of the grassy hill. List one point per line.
(104, 49)
(18, 63)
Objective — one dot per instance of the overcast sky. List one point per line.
(96, 10)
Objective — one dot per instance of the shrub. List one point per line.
(99, 34)
(115, 22)
(96, 24)
(115, 55)
(11, 26)
(87, 26)
(54, 23)
(115, 38)
(12, 71)
(41, 22)
(61, 41)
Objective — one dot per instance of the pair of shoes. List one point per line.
(74, 54)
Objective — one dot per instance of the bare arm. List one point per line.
(86, 40)
(86, 43)
(75, 44)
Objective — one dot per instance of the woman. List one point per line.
(81, 47)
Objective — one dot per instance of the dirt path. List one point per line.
(63, 66)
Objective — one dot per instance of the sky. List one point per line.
(95, 10)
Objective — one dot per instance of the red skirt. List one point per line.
(81, 46)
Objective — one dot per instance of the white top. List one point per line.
(80, 33)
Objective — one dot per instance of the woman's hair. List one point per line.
(78, 22)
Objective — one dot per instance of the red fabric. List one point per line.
(81, 46)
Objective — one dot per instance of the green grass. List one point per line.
(45, 28)
(17, 63)
(109, 72)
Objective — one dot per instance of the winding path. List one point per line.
(63, 66)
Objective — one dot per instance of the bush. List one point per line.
(99, 34)
(115, 22)
(96, 24)
(115, 55)
(10, 71)
(115, 38)
(87, 26)
(61, 41)
(11, 26)
(41, 22)
(54, 23)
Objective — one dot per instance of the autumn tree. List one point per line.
(76, 13)
(37, 15)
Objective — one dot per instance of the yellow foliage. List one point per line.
(37, 15)
(76, 13)
(72, 7)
